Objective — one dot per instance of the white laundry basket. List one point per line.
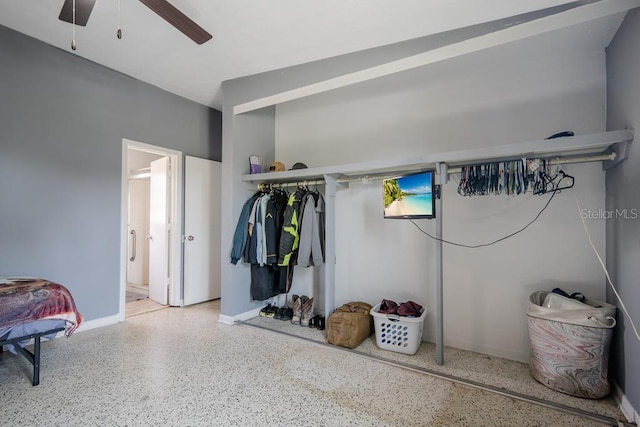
(570, 347)
(398, 333)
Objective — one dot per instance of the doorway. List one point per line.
(151, 218)
(138, 223)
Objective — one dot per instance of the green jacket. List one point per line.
(290, 237)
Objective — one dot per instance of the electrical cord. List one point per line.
(606, 272)
(584, 225)
(495, 241)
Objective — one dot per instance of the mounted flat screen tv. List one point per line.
(409, 196)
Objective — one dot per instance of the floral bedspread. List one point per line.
(24, 300)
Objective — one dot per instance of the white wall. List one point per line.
(479, 103)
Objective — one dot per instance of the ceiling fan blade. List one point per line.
(178, 19)
(83, 11)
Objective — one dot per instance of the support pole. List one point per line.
(438, 267)
(330, 245)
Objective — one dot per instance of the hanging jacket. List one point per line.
(241, 233)
(265, 202)
(259, 232)
(311, 246)
(271, 232)
(283, 275)
(251, 247)
(289, 237)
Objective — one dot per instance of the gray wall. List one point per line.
(62, 121)
(623, 192)
(256, 130)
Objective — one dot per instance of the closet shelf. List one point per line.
(579, 145)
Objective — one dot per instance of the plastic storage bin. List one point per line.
(398, 333)
(570, 346)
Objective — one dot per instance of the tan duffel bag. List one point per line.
(350, 324)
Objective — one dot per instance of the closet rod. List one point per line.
(264, 186)
(456, 169)
(558, 160)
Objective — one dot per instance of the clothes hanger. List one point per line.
(564, 176)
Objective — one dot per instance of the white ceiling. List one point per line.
(249, 36)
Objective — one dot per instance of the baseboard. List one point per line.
(92, 324)
(98, 323)
(226, 320)
(518, 356)
(230, 320)
(625, 406)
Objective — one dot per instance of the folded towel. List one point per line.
(405, 309)
(409, 309)
(388, 307)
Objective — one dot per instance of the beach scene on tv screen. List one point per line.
(408, 196)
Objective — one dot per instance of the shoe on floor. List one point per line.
(287, 313)
(306, 310)
(265, 310)
(297, 310)
(271, 311)
(317, 322)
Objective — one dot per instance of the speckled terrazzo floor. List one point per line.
(143, 306)
(495, 372)
(181, 367)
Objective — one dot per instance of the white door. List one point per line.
(138, 245)
(202, 226)
(159, 231)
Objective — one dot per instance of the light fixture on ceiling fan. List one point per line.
(77, 12)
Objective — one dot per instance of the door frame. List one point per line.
(175, 209)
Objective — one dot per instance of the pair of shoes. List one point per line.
(318, 322)
(283, 313)
(287, 313)
(268, 311)
(306, 310)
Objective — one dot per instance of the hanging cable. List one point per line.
(556, 189)
(495, 241)
(604, 267)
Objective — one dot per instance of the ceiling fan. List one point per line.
(162, 7)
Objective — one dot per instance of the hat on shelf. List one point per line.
(277, 167)
(298, 165)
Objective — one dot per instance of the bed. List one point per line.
(32, 309)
